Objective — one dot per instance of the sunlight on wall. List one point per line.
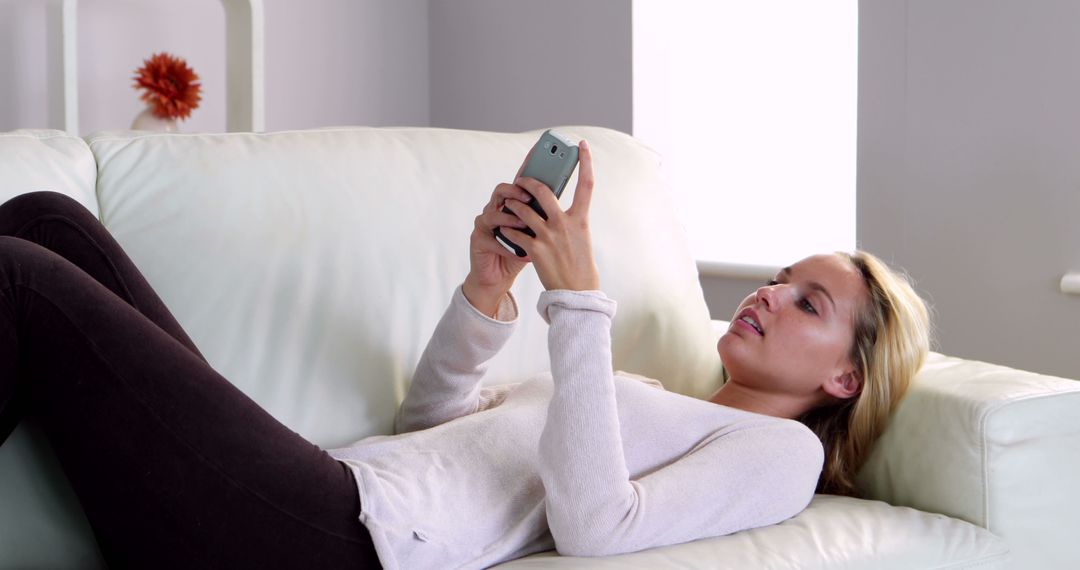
(752, 106)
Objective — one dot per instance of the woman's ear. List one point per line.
(845, 385)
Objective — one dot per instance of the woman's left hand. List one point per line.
(562, 249)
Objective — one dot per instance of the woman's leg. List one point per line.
(59, 223)
(173, 465)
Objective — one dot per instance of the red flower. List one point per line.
(170, 87)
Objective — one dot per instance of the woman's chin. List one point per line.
(729, 346)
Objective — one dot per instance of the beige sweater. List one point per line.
(581, 459)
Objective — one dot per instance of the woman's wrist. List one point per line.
(484, 299)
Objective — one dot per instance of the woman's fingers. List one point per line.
(522, 239)
(548, 202)
(585, 183)
(504, 191)
(502, 219)
(497, 219)
(516, 197)
(493, 215)
(528, 215)
(561, 250)
(582, 193)
(491, 245)
(483, 238)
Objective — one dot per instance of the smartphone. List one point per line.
(553, 160)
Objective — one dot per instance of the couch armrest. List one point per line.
(991, 445)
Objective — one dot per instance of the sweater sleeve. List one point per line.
(446, 384)
(734, 480)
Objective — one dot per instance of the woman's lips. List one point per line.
(746, 325)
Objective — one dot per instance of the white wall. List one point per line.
(328, 62)
(969, 168)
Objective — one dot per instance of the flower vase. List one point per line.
(147, 121)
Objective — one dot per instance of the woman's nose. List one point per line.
(767, 296)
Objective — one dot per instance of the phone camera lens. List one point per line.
(554, 148)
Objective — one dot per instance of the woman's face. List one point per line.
(806, 321)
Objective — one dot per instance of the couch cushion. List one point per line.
(833, 532)
(32, 160)
(311, 267)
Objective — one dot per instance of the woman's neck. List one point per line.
(735, 395)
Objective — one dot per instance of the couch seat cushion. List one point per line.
(833, 532)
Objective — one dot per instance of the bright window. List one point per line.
(753, 106)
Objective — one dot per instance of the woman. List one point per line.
(174, 467)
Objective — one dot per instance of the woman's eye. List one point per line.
(806, 306)
(772, 282)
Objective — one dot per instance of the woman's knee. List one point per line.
(21, 259)
(18, 212)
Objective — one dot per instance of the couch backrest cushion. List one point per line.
(32, 160)
(38, 510)
(311, 267)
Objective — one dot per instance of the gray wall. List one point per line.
(505, 65)
(346, 62)
(328, 62)
(723, 294)
(22, 58)
(515, 65)
(968, 119)
(968, 170)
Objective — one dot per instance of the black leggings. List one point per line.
(173, 465)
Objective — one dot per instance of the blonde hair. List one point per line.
(891, 340)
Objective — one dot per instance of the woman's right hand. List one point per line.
(493, 268)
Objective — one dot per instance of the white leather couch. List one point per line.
(310, 267)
